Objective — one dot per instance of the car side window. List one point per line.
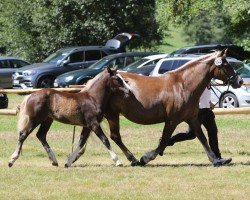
(129, 60)
(92, 55)
(76, 57)
(103, 54)
(165, 66)
(120, 62)
(4, 64)
(179, 63)
(18, 63)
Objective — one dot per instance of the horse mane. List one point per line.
(90, 83)
(205, 58)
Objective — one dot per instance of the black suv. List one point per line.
(42, 75)
(233, 51)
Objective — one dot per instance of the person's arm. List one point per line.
(211, 105)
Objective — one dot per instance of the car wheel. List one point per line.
(229, 100)
(3, 101)
(46, 82)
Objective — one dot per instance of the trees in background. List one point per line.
(210, 21)
(35, 29)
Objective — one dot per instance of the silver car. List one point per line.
(8, 65)
(227, 97)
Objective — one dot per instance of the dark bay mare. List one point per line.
(84, 109)
(172, 98)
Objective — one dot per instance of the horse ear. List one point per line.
(223, 53)
(110, 71)
(115, 68)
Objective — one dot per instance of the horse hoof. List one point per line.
(217, 164)
(55, 164)
(66, 165)
(119, 165)
(135, 163)
(10, 164)
(161, 153)
(142, 162)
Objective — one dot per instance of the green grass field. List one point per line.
(184, 171)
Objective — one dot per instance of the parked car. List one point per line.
(233, 50)
(223, 96)
(148, 60)
(82, 76)
(3, 101)
(144, 70)
(8, 65)
(228, 97)
(42, 75)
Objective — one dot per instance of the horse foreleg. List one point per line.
(76, 154)
(195, 125)
(41, 135)
(166, 134)
(98, 131)
(116, 137)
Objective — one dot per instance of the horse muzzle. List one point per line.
(236, 81)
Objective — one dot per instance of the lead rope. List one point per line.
(73, 138)
(212, 84)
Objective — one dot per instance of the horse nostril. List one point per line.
(241, 82)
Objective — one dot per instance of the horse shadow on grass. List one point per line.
(247, 163)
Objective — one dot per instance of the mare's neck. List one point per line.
(197, 77)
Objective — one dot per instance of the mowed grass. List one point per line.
(184, 171)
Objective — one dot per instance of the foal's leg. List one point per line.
(80, 148)
(41, 135)
(98, 131)
(23, 134)
(195, 125)
(166, 134)
(116, 137)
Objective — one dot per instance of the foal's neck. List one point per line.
(99, 92)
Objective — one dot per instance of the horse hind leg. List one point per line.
(76, 154)
(41, 135)
(25, 127)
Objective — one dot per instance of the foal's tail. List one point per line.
(23, 118)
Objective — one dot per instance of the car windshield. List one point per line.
(56, 57)
(99, 64)
(135, 64)
(242, 68)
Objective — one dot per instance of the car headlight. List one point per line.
(69, 78)
(29, 73)
(246, 88)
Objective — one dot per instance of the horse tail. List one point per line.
(23, 118)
